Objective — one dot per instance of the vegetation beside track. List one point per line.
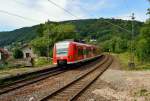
(124, 59)
(5, 72)
(19, 64)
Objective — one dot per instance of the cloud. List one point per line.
(42, 10)
(39, 10)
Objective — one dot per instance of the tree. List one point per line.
(65, 31)
(17, 53)
(142, 46)
(40, 30)
(116, 45)
(142, 50)
(40, 45)
(50, 34)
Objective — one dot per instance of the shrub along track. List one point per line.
(74, 88)
(31, 78)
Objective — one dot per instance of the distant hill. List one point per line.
(19, 35)
(97, 28)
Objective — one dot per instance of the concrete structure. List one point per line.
(4, 55)
(28, 52)
(0, 56)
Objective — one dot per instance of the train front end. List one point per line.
(61, 53)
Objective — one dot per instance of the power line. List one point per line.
(19, 2)
(62, 8)
(22, 3)
(117, 26)
(77, 17)
(19, 16)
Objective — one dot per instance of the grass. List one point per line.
(42, 61)
(142, 92)
(124, 60)
(10, 69)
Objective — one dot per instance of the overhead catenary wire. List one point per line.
(33, 20)
(131, 62)
(77, 17)
(38, 11)
(63, 9)
(19, 16)
(118, 26)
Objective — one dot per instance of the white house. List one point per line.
(28, 52)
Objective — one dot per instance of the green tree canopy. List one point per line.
(50, 34)
(143, 44)
(17, 53)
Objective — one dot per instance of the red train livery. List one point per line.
(70, 52)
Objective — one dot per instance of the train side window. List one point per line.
(94, 51)
(75, 48)
(87, 52)
(80, 51)
(84, 51)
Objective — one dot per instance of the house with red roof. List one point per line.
(3, 54)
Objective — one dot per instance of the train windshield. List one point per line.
(62, 49)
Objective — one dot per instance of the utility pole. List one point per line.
(132, 63)
(48, 46)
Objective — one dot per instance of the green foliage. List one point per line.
(17, 54)
(40, 45)
(116, 45)
(143, 42)
(22, 35)
(42, 37)
(84, 29)
(49, 34)
(40, 30)
(124, 60)
(142, 92)
(142, 46)
(42, 61)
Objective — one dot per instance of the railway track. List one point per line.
(73, 89)
(27, 81)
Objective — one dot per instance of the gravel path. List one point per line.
(119, 85)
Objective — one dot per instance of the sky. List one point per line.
(38, 11)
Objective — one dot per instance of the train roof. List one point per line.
(78, 43)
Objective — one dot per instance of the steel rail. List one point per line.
(106, 61)
(27, 81)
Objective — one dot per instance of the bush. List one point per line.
(18, 54)
(42, 61)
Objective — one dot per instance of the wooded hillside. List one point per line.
(89, 28)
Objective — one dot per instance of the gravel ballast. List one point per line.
(119, 85)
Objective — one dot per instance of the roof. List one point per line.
(70, 41)
(3, 51)
(24, 46)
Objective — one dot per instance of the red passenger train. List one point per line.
(70, 52)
